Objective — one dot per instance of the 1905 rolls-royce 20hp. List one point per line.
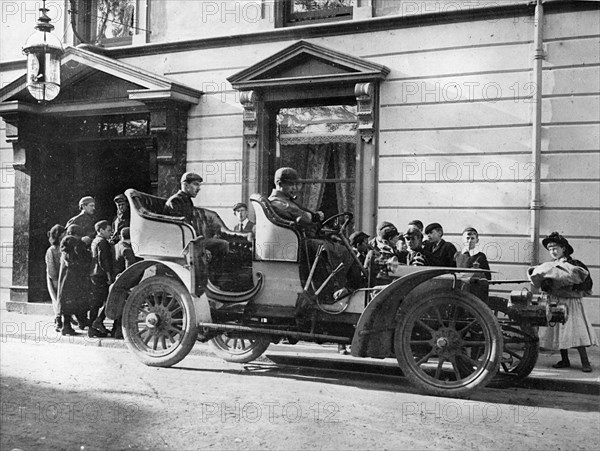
(448, 335)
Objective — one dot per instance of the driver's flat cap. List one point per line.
(286, 175)
(190, 177)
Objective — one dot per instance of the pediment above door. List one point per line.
(306, 63)
(98, 84)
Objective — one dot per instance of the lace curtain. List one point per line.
(312, 162)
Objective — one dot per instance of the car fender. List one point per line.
(135, 273)
(374, 333)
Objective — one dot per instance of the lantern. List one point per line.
(43, 51)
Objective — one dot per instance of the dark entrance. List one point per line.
(67, 171)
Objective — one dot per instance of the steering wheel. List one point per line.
(348, 216)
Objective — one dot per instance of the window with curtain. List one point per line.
(108, 22)
(303, 12)
(320, 143)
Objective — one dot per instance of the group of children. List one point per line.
(81, 265)
(564, 279)
(410, 248)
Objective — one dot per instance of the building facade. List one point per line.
(483, 114)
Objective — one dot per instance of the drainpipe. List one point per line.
(536, 137)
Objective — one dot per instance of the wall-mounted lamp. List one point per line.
(43, 50)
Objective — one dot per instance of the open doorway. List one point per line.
(320, 143)
(67, 171)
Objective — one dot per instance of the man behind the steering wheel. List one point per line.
(283, 196)
(334, 252)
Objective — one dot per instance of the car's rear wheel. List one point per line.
(521, 347)
(237, 349)
(448, 343)
(159, 321)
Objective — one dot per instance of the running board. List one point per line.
(276, 332)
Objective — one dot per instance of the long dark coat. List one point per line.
(74, 277)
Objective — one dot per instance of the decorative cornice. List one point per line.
(335, 29)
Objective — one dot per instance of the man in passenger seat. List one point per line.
(208, 224)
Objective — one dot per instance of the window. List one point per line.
(305, 12)
(107, 127)
(320, 143)
(108, 22)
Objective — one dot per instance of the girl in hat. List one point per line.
(566, 281)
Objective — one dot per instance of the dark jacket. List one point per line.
(86, 222)
(465, 260)
(249, 227)
(181, 204)
(205, 222)
(124, 257)
(102, 269)
(285, 207)
(74, 277)
(119, 223)
(442, 254)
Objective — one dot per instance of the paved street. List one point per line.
(90, 397)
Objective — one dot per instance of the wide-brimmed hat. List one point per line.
(557, 238)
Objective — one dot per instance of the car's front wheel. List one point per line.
(447, 343)
(159, 321)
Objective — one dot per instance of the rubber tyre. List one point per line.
(238, 349)
(521, 348)
(173, 337)
(468, 340)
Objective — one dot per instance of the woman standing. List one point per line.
(566, 281)
(55, 235)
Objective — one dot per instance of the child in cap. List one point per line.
(566, 281)
(441, 251)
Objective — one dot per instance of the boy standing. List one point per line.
(102, 277)
(470, 256)
(441, 252)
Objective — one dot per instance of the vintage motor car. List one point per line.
(448, 335)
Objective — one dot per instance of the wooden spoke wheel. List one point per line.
(233, 348)
(159, 321)
(521, 347)
(448, 343)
